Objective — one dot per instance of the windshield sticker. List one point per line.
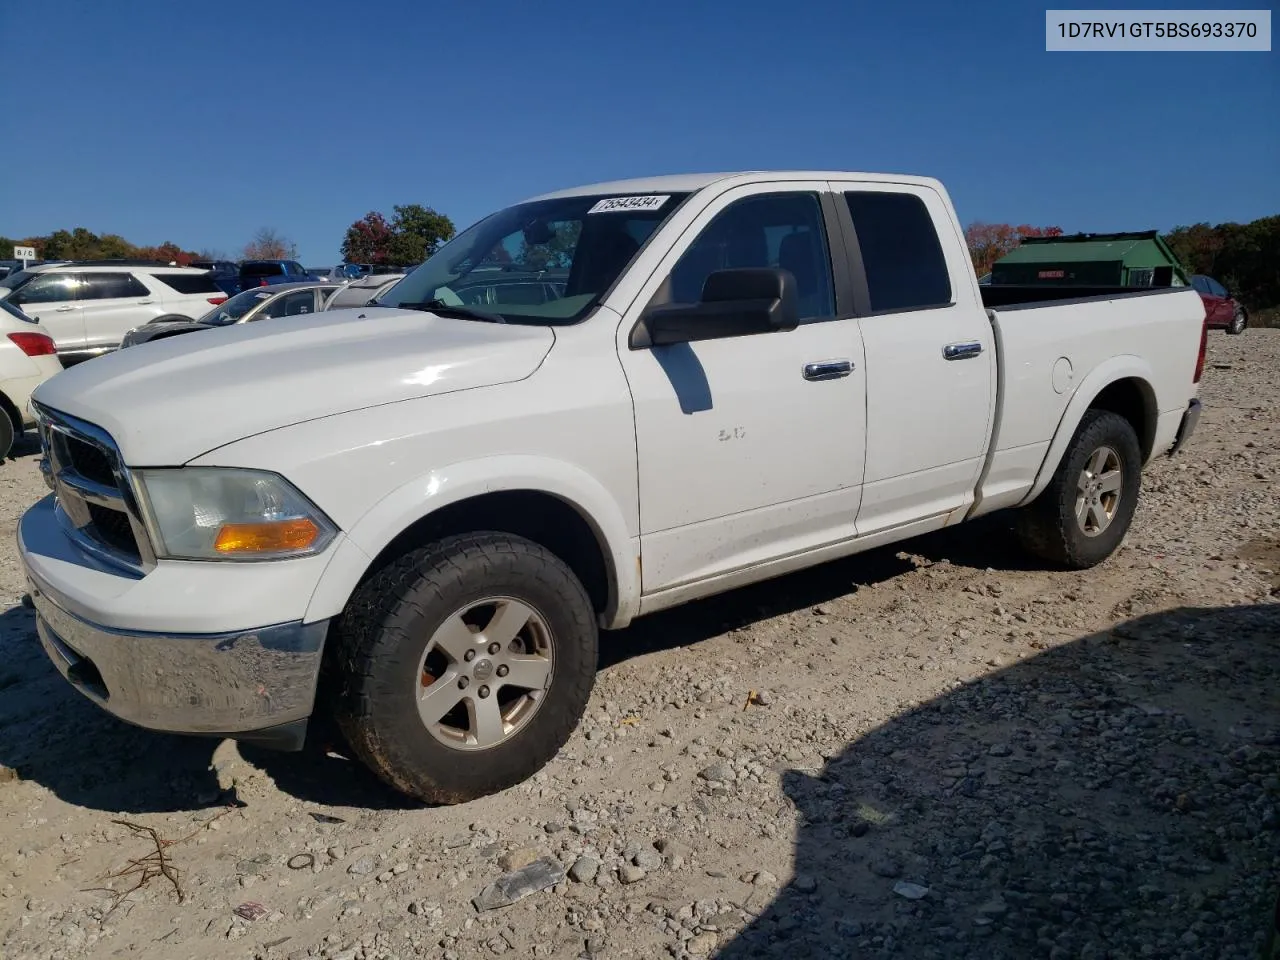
(261, 296)
(614, 204)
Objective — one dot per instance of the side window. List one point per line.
(46, 288)
(1217, 289)
(290, 305)
(904, 263)
(111, 286)
(783, 230)
(1200, 283)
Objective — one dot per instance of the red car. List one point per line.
(1221, 310)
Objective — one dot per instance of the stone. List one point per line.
(805, 883)
(584, 869)
(718, 772)
(630, 873)
(647, 860)
(702, 944)
(362, 867)
(515, 859)
(889, 869)
(912, 891)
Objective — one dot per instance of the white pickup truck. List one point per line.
(415, 516)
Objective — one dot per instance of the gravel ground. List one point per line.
(933, 750)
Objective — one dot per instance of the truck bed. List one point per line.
(1056, 351)
(1033, 294)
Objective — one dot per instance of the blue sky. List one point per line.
(199, 123)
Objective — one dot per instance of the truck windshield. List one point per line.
(543, 262)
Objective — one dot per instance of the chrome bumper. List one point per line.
(236, 685)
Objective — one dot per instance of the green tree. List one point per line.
(419, 231)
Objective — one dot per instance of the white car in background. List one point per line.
(88, 306)
(359, 293)
(27, 359)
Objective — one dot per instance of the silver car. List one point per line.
(256, 303)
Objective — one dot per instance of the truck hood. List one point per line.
(171, 400)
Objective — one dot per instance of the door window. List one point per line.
(46, 288)
(901, 254)
(111, 286)
(290, 305)
(1217, 289)
(781, 230)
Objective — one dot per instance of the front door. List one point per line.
(53, 300)
(931, 365)
(750, 448)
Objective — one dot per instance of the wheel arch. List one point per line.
(1122, 385)
(549, 502)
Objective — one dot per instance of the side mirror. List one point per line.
(735, 303)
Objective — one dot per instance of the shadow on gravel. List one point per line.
(51, 734)
(987, 542)
(1114, 797)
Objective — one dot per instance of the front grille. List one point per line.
(90, 461)
(94, 496)
(113, 529)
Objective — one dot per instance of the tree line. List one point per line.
(81, 244)
(1245, 257)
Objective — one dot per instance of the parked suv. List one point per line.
(87, 306)
(1222, 311)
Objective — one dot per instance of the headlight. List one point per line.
(226, 513)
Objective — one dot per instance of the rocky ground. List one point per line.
(934, 750)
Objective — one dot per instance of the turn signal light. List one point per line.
(280, 536)
(34, 344)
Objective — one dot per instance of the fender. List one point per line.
(1100, 377)
(459, 481)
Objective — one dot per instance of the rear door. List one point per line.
(53, 300)
(115, 303)
(930, 354)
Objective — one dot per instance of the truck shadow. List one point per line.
(1116, 796)
(52, 735)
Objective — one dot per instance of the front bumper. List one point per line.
(166, 651)
(1190, 420)
(239, 685)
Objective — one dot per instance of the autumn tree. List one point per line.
(1244, 256)
(413, 234)
(269, 244)
(988, 242)
(368, 240)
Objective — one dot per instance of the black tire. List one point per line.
(8, 434)
(1239, 321)
(1048, 527)
(381, 639)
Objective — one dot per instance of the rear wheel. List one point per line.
(464, 667)
(8, 434)
(1085, 511)
(1239, 321)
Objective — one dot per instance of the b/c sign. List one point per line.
(24, 253)
(1169, 31)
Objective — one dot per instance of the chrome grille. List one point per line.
(96, 503)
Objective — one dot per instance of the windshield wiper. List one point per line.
(442, 309)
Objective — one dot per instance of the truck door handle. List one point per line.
(63, 309)
(961, 351)
(828, 369)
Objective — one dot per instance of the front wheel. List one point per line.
(1239, 321)
(1085, 511)
(464, 667)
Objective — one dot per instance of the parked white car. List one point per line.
(88, 306)
(359, 292)
(27, 359)
(442, 502)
